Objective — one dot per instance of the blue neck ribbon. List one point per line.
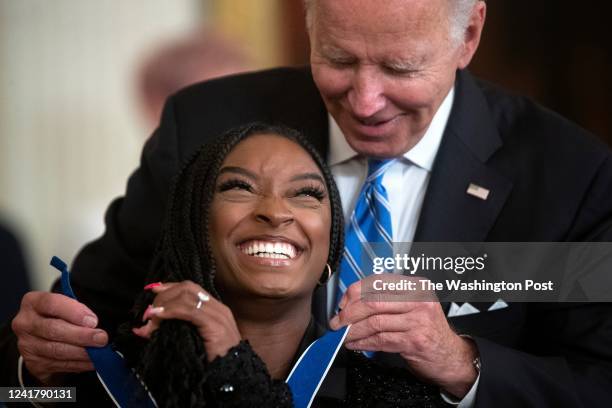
(120, 382)
(311, 368)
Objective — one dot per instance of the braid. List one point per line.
(173, 362)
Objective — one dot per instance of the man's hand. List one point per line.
(214, 320)
(52, 331)
(418, 331)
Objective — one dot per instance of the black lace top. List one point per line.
(241, 379)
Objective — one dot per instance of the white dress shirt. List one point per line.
(406, 182)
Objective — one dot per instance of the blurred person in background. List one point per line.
(198, 56)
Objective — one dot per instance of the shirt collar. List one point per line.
(422, 154)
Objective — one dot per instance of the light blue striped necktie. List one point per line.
(370, 223)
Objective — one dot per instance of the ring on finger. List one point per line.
(202, 298)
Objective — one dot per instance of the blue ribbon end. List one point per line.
(58, 263)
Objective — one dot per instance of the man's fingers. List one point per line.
(380, 323)
(61, 307)
(60, 351)
(352, 295)
(44, 368)
(73, 366)
(51, 331)
(64, 332)
(357, 311)
(389, 342)
(45, 358)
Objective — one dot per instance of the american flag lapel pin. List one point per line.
(478, 191)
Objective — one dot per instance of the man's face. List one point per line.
(383, 68)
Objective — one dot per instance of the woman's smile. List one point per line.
(280, 248)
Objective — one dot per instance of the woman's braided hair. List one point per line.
(173, 362)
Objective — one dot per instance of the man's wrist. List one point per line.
(466, 370)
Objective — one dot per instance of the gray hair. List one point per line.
(461, 11)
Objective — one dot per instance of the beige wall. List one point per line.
(70, 133)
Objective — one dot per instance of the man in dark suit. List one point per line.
(391, 74)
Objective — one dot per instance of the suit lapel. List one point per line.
(449, 213)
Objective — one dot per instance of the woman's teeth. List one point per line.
(266, 249)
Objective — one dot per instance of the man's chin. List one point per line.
(380, 147)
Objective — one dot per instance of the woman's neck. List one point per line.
(274, 329)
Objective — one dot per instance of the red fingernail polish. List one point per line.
(152, 285)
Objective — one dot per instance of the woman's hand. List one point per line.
(214, 321)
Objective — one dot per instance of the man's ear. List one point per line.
(472, 34)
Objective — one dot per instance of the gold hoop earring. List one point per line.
(329, 274)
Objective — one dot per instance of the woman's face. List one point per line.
(270, 220)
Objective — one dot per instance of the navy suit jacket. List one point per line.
(549, 181)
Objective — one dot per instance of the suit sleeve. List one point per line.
(565, 362)
(565, 357)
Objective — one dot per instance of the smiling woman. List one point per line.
(271, 221)
(254, 226)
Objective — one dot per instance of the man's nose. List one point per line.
(273, 211)
(366, 96)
